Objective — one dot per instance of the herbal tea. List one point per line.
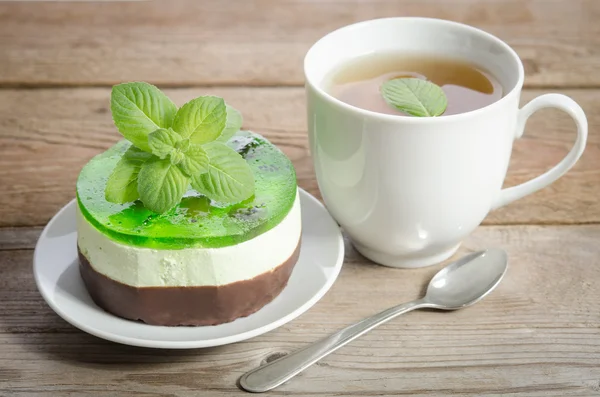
(359, 82)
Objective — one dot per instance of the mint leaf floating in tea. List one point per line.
(229, 178)
(138, 109)
(414, 96)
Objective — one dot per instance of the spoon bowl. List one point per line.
(467, 281)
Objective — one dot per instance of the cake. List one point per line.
(188, 258)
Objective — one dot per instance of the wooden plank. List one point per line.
(46, 136)
(536, 335)
(262, 42)
(17, 238)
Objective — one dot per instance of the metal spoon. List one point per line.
(460, 284)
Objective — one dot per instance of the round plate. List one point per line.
(56, 270)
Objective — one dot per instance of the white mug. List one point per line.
(408, 190)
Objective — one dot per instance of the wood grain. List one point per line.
(263, 42)
(16, 238)
(536, 335)
(47, 135)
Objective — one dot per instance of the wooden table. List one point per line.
(537, 335)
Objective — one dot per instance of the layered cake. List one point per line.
(198, 256)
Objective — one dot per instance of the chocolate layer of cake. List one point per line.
(203, 305)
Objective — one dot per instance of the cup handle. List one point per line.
(567, 105)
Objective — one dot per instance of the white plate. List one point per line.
(56, 270)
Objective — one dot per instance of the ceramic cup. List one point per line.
(408, 190)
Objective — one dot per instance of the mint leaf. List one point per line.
(183, 145)
(138, 109)
(176, 157)
(195, 160)
(163, 141)
(121, 186)
(232, 125)
(201, 119)
(161, 185)
(229, 178)
(416, 97)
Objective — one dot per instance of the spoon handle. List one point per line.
(276, 372)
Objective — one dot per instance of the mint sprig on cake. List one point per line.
(175, 148)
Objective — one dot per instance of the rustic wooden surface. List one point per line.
(537, 335)
(254, 42)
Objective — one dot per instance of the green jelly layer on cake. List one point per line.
(196, 221)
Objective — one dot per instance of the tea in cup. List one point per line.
(408, 184)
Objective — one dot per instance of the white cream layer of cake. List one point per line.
(147, 267)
